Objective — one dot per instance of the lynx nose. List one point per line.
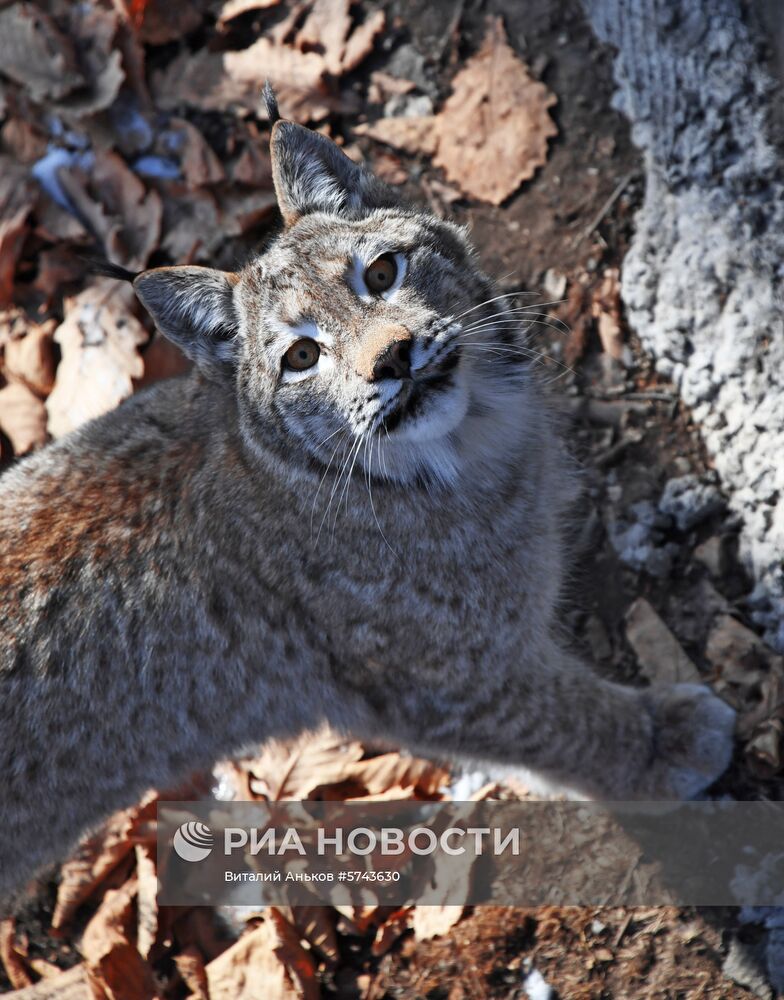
(385, 352)
(394, 362)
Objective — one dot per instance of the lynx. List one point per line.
(350, 512)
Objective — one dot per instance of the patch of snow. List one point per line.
(536, 986)
(156, 166)
(46, 171)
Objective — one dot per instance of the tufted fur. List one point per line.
(248, 551)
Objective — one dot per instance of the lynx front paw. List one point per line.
(693, 737)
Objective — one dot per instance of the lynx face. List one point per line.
(365, 335)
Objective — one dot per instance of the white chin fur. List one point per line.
(442, 415)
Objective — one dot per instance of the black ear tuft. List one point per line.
(271, 101)
(194, 307)
(98, 264)
(312, 174)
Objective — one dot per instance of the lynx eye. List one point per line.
(381, 274)
(302, 354)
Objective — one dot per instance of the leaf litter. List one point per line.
(135, 127)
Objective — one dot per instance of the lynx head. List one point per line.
(365, 329)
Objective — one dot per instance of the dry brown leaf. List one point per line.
(36, 54)
(287, 68)
(575, 313)
(494, 126)
(253, 166)
(56, 267)
(660, 655)
(25, 143)
(492, 132)
(359, 44)
(192, 228)
(391, 930)
(117, 207)
(325, 31)
(13, 955)
(242, 210)
(197, 929)
(198, 79)
(389, 168)
(221, 81)
(294, 770)
(29, 358)
(22, 418)
(113, 962)
(74, 984)
(398, 772)
(434, 921)
(18, 197)
(412, 135)
(198, 162)
(96, 858)
(146, 899)
(316, 925)
(162, 21)
(190, 966)
(356, 920)
(267, 962)
(135, 211)
(606, 310)
(93, 28)
(234, 8)
(384, 85)
(98, 338)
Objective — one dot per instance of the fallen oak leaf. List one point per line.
(18, 197)
(160, 21)
(112, 960)
(146, 899)
(22, 418)
(13, 955)
(198, 162)
(116, 207)
(35, 53)
(606, 310)
(268, 961)
(398, 772)
(492, 132)
(360, 42)
(74, 984)
(316, 925)
(293, 770)
(287, 67)
(96, 858)
(494, 126)
(434, 921)
(412, 135)
(98, 338)
(235, 8)
(190, 966)
(391, 930)
(325, 31)
(29, 358)
(93, 29)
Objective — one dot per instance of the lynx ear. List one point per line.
(194, 307)
(312, 174)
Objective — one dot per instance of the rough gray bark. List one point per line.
(702, 280)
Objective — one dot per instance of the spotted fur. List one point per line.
(251, 550)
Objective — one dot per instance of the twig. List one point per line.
(620, 187)
(622, 930)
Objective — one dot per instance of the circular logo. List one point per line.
(193, 841)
